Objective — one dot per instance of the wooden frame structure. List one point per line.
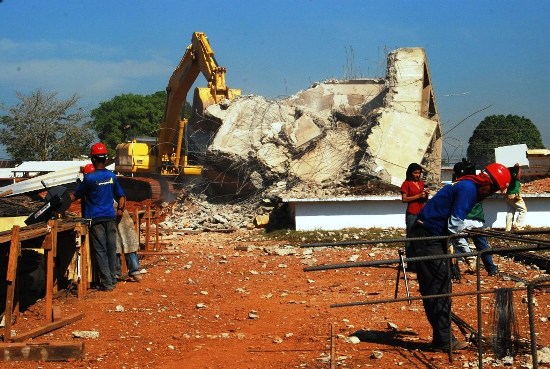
(45, 236)
(66, 246)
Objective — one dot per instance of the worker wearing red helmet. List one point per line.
(99, 189)
(88, 168)
(442, 215)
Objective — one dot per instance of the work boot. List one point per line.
(456, 345)
(135, 278)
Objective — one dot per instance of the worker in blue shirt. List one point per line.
(442, 215)
(99, 189)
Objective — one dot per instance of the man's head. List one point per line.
(500, 176)
(88, 168)
(98, 154)
(495, 177)
(463, 168)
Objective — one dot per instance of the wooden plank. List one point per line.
(14, 254)
(157, 235)
(49, 253)
(136, 221)
(47, 328)
(85, 270)
(11, 277)
(42, 351)
(37, 230)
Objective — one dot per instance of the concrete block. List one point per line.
(398, 140)
(302, 131)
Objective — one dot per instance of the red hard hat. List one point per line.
(89, 168)
(500, 175)
(98, 149)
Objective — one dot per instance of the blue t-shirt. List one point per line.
(99, 189)
(452, 203)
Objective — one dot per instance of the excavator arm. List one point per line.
(198, 58)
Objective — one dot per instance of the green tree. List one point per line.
(42, 127)
(129, 116)
(500, 130)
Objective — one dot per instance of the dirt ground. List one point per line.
(239, 300)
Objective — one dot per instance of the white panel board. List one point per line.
(510, 155)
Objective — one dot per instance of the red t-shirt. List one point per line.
(412, 188)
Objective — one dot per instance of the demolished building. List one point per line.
(337, 133)
(322, 141)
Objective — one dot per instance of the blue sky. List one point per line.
(481, 53)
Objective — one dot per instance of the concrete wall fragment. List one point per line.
(399, 139)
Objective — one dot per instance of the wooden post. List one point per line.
(157, 233)
(147, 227)
(50, 247)
(82, 250)
(136, 222)
(11, 277)
(87, 261)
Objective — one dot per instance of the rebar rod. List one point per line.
(427, 297)
(374, 263)
(464, 234)
(534, 245)
(382, 240)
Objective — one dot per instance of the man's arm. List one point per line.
(121, 206)
(518, 171)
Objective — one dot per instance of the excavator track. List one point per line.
(145, 188)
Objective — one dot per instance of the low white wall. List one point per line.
(389, 211)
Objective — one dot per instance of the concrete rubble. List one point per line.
(324, 141)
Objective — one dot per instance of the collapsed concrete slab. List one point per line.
(334, 134)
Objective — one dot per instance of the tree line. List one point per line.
(41, 126)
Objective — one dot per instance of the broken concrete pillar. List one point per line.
(336, 133)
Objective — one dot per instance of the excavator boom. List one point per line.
(169, 156)
(198, 58)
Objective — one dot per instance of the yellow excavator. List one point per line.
(167, 157)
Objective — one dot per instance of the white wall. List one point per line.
(389, 211)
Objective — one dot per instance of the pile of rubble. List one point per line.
(335, 134)
(536, 187)
(326, 141)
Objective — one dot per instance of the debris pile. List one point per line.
(330, 140)
(334, 134)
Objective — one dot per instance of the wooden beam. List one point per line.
(136, 221)
(42, 351)
(11, 276)
(148, 228)
(85, 265)
(47, 328)
(50, 247)
(157, 234)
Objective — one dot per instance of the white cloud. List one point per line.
(94, 72)
(92, 80)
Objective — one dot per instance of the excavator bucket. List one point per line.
(203, 98)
